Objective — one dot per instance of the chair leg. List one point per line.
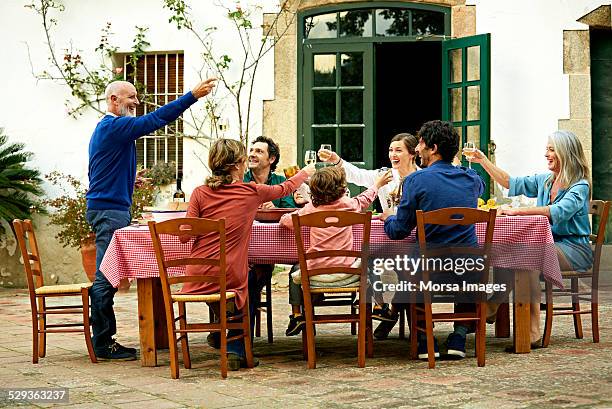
(174, 366)
(246, 330)
(269, 311)
(431, 359)
(481, 334)
(353, 311)
(361, 335)
(34, 334)
(184, 339)
(310, 341)
(595, 321)
(549, 315)
(369, 332)
(42, 337)
(576, 307)
(223, 333)
(86, 327)
(258, 316)
(413, 331)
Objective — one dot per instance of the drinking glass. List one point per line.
(310, 157)
(468, 151)
(291, 171)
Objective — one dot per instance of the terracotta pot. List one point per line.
(88, 257)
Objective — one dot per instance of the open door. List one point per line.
(466, 93)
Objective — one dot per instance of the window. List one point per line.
(159, 79)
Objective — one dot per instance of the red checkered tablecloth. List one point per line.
(525, 242)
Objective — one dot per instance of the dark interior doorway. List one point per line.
(408, 91)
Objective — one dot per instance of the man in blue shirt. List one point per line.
(112, 173)
(438, 185)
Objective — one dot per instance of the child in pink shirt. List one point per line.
(327, 190)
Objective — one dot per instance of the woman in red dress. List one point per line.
(225, 196)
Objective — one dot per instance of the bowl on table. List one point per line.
(272, 215)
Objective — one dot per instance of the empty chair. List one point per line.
(39, 292)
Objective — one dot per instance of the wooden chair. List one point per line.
(39, 292)
(601, 209)
(449, 217)
(240, 321)
(264, 305)
(362, 317)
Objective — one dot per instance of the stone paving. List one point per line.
(570, 373)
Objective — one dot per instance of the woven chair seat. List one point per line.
(62, 288)
(334, 290)
(201, 297)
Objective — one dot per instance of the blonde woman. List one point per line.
(562, 194)
(225, 195)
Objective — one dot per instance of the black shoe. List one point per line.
(384, 328)
(296, 325)
(116, 352)
(235, 362)
(422, 349)
(125, 349)
(384, 314)
(455, 346)
(214, 340)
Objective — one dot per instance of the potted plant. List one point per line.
(162, 175)
(69, 214)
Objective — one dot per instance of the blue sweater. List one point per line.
(112, 153)
(435, 187)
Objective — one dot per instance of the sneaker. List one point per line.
(235, 362)
(384, 328)
(296, 325)
(214, 340)
(115, 352)
(384, 314)
(455, 346)
(422, 349)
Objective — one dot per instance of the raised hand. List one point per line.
(203, 88)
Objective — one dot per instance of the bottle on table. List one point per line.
(179, 195)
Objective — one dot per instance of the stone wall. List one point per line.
(61, 265)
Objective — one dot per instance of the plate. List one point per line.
(272, 215)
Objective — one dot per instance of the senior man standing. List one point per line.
(112, 173)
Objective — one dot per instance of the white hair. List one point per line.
(114, 87)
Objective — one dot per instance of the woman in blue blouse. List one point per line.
(562, 195)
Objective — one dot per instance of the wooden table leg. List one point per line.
(522, 319)
(151, 320)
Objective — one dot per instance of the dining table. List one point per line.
(526, 247)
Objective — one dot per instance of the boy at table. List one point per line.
(327, 192)
(438, 185)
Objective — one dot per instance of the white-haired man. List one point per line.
(112, 173)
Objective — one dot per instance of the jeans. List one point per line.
(103, 323)
(257, 281)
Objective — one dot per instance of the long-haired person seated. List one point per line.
(225, 196)
(563, 195)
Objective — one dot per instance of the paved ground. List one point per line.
(571, 373)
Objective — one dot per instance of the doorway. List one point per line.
(408, 91)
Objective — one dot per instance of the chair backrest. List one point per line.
(184, 229)
(29, 251)
(452, 216)
(326, 219)
(599, 208)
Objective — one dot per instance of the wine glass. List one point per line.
(310, 157)
(325, 155)
(469, 148)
